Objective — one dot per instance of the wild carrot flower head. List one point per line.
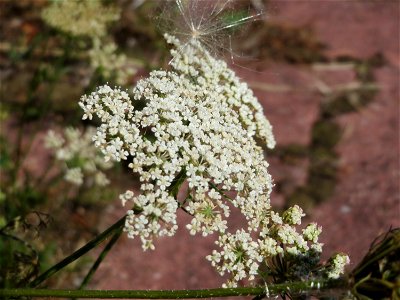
(105, 58)
(198, 123)
(80, 159)
(80, 17)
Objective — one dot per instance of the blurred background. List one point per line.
(326, 73)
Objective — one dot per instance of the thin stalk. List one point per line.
(32, 87)
(116, 227)
(220, 192)
(381, 247)
(299, 288)
(81, 251)
(58, 70)
(100, 258)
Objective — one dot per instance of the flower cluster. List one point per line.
(104, 57)
(336, 265)
(80, 158)
(88, 18)
(241, 255)
(197, 123)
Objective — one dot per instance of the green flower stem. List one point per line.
(113, 229)
(273, 290)
(379, 251)
(220, 192)
(81, 251)
(101, 257)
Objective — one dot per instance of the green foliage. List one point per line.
(19, 260)
(377, 276)
(47, 256)
(26, 198)
(5, 158)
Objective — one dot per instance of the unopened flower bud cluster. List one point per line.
(197, 123)
(336, 265)
(81, 161)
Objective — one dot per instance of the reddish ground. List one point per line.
(366, 201)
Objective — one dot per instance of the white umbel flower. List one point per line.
(74, 176)
(240, 257)
(80, 17)
(80, 159)
(105, 58)
(198, 124)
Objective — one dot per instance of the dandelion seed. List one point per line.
(210, 22)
